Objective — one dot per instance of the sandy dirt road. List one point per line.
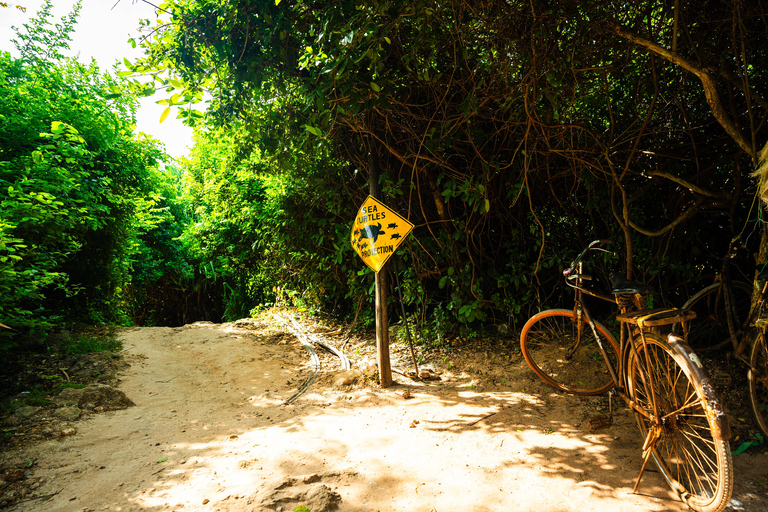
(209, 432)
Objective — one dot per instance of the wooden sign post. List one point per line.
(382, 332)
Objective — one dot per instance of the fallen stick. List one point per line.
(483, 418)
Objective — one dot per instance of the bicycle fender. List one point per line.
(712, 405)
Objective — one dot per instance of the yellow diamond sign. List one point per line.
(377, 232)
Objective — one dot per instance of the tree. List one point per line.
(255, 232)
(511, 133)
(72, 177)
(721, 45)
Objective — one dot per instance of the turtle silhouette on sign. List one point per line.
(370, 231)
(392, 226)
(395, 235)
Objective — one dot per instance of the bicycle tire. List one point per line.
(709, 330)
(758, 382)
(548, 336)
(696, 464)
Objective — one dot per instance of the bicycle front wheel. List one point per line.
(758, 382)
(684, 438)
(709, 330)
(552, 348)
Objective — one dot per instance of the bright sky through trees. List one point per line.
(102, 32)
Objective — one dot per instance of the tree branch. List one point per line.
(690, 186)
(707, 81)
(680, 219)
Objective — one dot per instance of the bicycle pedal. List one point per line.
(600, 422)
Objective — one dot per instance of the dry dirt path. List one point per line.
(209, 433)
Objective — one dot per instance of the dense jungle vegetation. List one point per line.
(510, 133)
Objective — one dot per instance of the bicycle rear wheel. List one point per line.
(551, 347)
(710, 328)
(758, 382)
(686, 435)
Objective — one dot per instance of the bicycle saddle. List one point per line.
(621, 285)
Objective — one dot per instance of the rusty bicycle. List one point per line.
(654, 371)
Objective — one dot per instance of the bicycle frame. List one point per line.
(575, 278)
(626, 340)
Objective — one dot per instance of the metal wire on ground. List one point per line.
(306, 339)
(345, 364)
(313, 356)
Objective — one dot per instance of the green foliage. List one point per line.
(510, 133)
(73, 183)
(255, 232)
(41, 44)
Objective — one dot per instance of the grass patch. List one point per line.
(38, 398)
(86, 343)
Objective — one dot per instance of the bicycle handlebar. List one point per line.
(578, 259)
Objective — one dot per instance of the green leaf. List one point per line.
(375, 87)
(313, 130)
(165, 113)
